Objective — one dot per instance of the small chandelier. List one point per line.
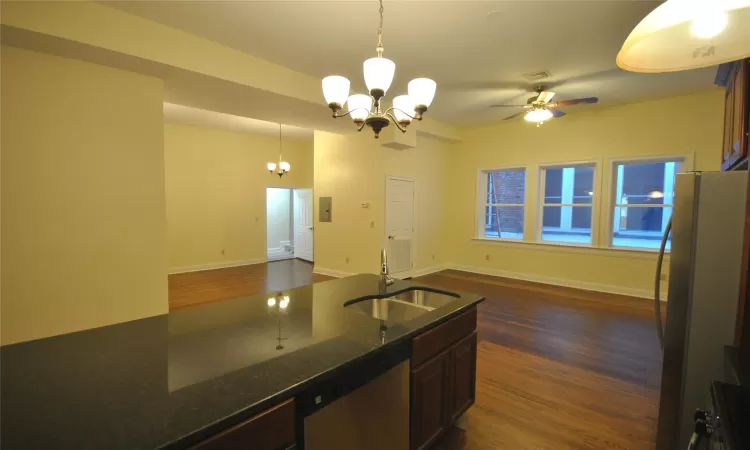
(378, 77)
(283, 166)
(280, 300)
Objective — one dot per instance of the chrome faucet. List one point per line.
(385, 280)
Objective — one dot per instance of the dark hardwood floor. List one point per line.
(557, 368)
(186, 289)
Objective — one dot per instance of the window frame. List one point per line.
(685, 165)
(482, 204)
(594, 205)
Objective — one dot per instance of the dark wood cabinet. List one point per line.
(462, 369)
(735, 78)
(443, 378)
(273, 429)
(429, 401)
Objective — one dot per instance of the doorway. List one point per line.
(289, 224)
(399, 223)
(279, 224)
(303, 224)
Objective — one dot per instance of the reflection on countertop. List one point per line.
(174, 379)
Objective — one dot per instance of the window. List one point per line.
(644, 195)
(502, 207)
(567, 203)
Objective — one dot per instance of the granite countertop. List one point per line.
(173, 380)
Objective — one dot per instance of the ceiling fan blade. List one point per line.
(519, 113)
(509, 106)
(545, 96)
(556, 112)
(575, 101)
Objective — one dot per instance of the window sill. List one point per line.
(641, 253)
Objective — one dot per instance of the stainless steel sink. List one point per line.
(402, 306)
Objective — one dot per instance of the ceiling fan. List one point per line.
(539, 107)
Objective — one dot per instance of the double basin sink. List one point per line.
(402, 306)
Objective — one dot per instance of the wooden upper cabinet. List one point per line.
(726, 148)
(463, 369)
(736, 80)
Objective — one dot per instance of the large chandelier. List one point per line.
(378, 77)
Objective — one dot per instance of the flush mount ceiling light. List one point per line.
(283, 167)
(378, 77)
(688, 34)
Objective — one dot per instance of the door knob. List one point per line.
(310, 228)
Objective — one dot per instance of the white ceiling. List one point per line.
(187, 115)
(475, 51)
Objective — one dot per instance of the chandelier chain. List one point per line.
(380, 30)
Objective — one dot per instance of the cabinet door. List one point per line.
(273, 429)
(463, 368)
(739, 143)
(734, 147)
(429, 387)
(726, 147)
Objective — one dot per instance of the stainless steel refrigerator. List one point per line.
(707, 224)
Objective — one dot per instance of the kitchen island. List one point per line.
(216, 375)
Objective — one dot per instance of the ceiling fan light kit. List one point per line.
(379, 74)
(688, 34)
(539, 108)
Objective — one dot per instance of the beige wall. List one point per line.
(83, 223)
(216, 186)
(689, 126)
(352, 169)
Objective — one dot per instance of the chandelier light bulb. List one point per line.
(359, 105)
(379, 74)
(422, 91)
(403, 107)
(284, 302)
(710, 20)
(284, 166)
(271, 302)
(271, 166)
(336, 90)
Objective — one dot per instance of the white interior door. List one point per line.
(399, 223)
(303, 224)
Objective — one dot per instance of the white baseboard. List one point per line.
(277, 252)
(406, 274)
(217, 265)
(585, 285)
(413, 273)
(331, 272)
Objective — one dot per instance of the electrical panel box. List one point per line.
(325, 208)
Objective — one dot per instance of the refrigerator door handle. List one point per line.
(657, 283)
